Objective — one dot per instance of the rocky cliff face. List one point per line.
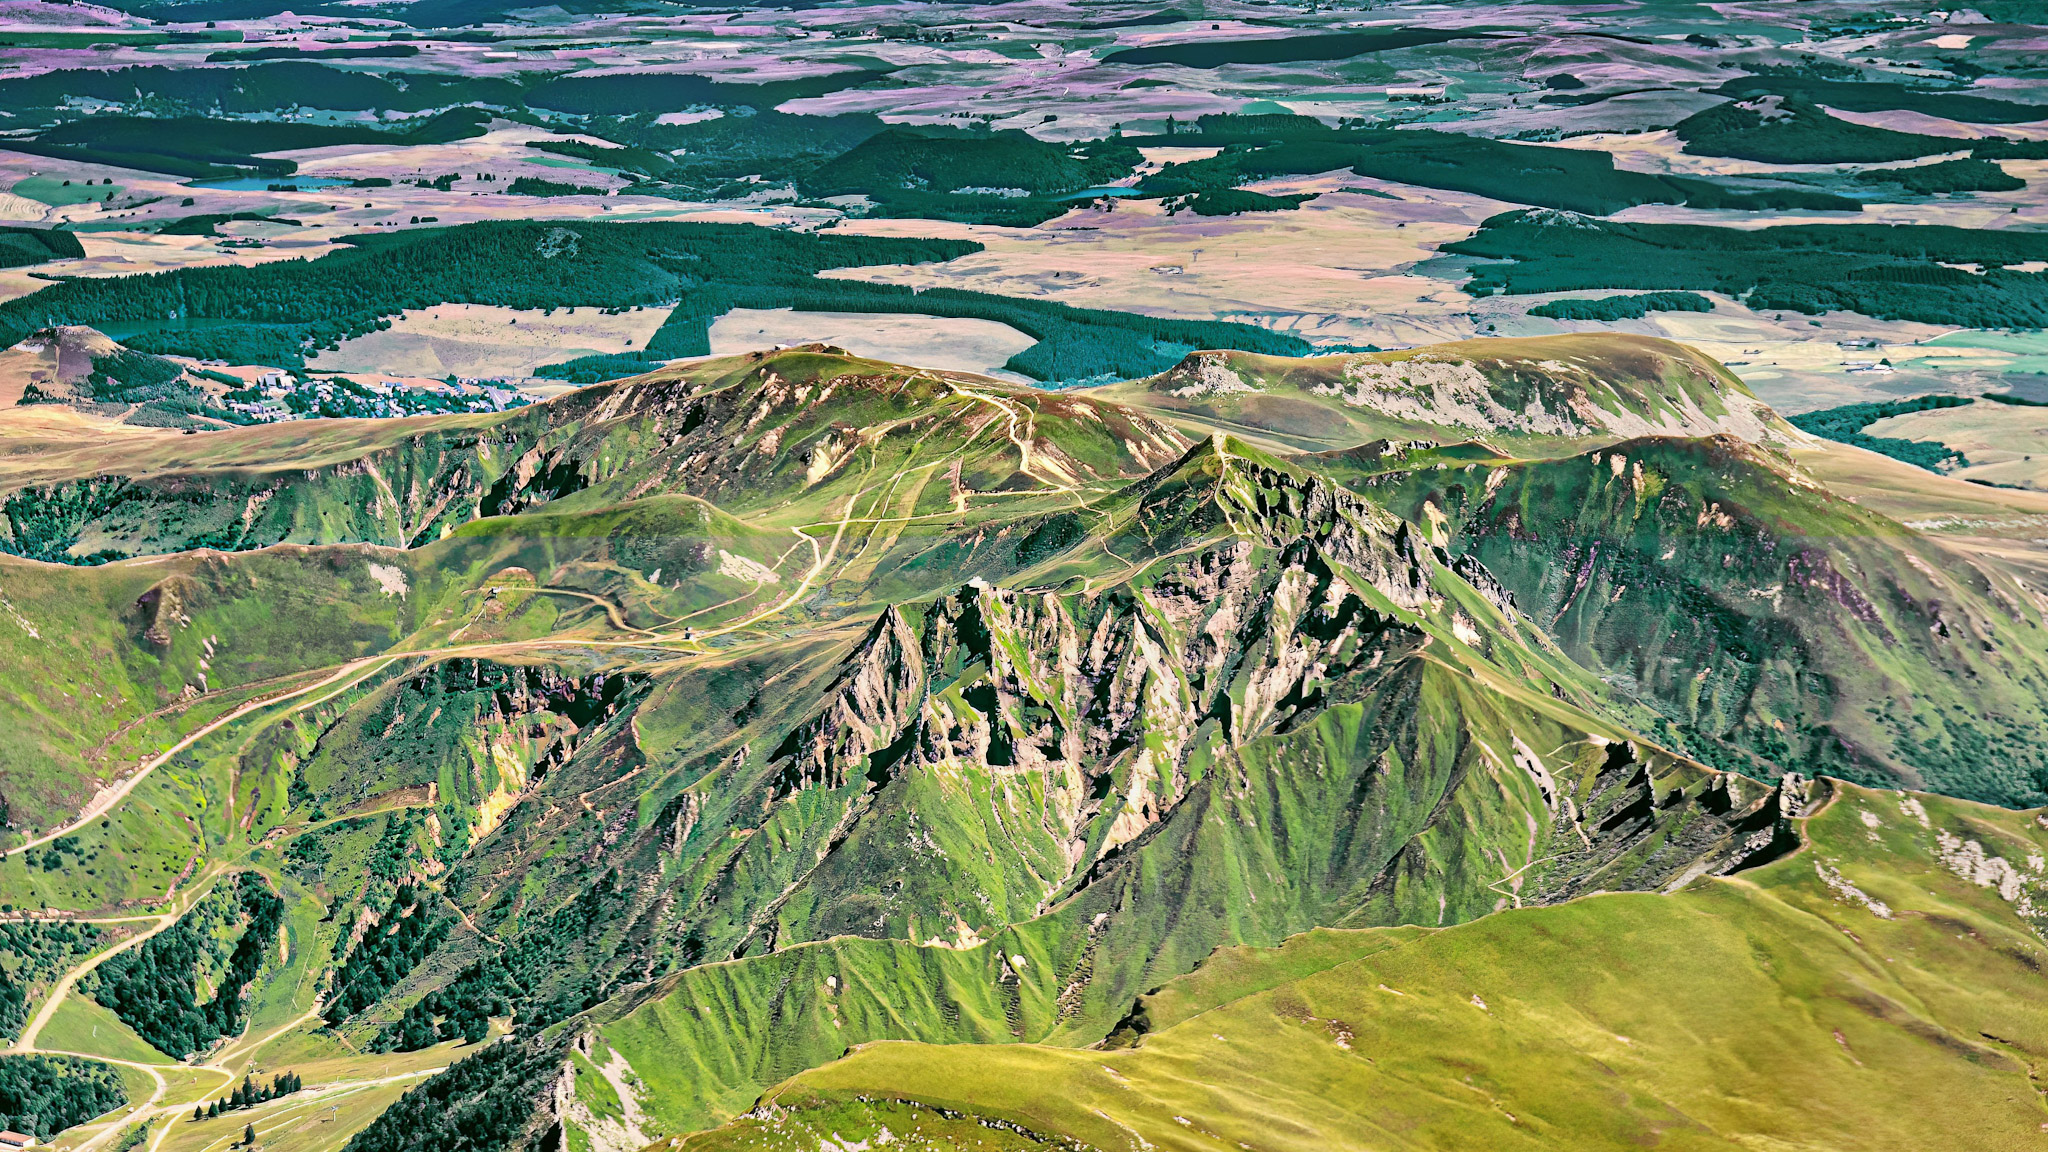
(1008, 812)
(998, 757)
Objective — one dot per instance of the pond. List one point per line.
(1097, 193)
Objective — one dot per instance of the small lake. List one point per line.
(1097, 193)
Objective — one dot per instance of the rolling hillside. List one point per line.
(656, 745)
(1529, 396)
(1875, 990)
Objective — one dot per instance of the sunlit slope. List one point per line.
(1540, 395)
(1878, 989)
(1009, 812)
(782, 703)
(795, 430)
(849, 472)
(91, 651)
(1765, 619)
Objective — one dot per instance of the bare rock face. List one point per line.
(873, 700)
(166, 608)
(1090, 719)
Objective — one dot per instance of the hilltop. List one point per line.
(1530, 395)
(760, 429)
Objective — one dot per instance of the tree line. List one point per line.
(43, 1095)
(248, 1094)
(278, 312)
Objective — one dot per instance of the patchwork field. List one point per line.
(955, 344)
(1049, 577)
(478, 340)
(2003, 442)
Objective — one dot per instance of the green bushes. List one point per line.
(260, 88)
(624, 159)
(37, 954)
(775, 146)
(20, 247)
(44, 523)
(512, 981)
(405, 932)
(1971, 175)
(44, 1095)
(482, 1104)
(1998, 148)
(534, 186)
(1623, 307)
(1004, 178)
(278, 344)
(290, 52)
(1233, 201)
(304, 81)
(1889, 272)
(1789, 130)
(948, 160)
(1845, 425)
(597, 369)
(200, 146)
(968, 208)
(204, 225)
(126, 377)
(248, 1094)
(629, 93)
(1880, 96)
(154, 388)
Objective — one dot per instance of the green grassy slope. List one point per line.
(1878, 989)
(1764, 619)
(791, 430)
(695, 727)
(799, 439)
(1236, 796)
(1543, 395)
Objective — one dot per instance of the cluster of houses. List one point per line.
(315, 398)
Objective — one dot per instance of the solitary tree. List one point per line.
(249, 1135)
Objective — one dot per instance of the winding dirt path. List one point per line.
(105, 801)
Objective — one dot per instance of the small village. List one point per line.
(276, 396)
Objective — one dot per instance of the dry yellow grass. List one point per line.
(488, 341)
(2006, 444)
(955, 344)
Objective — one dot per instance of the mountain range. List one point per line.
(1475, 744)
